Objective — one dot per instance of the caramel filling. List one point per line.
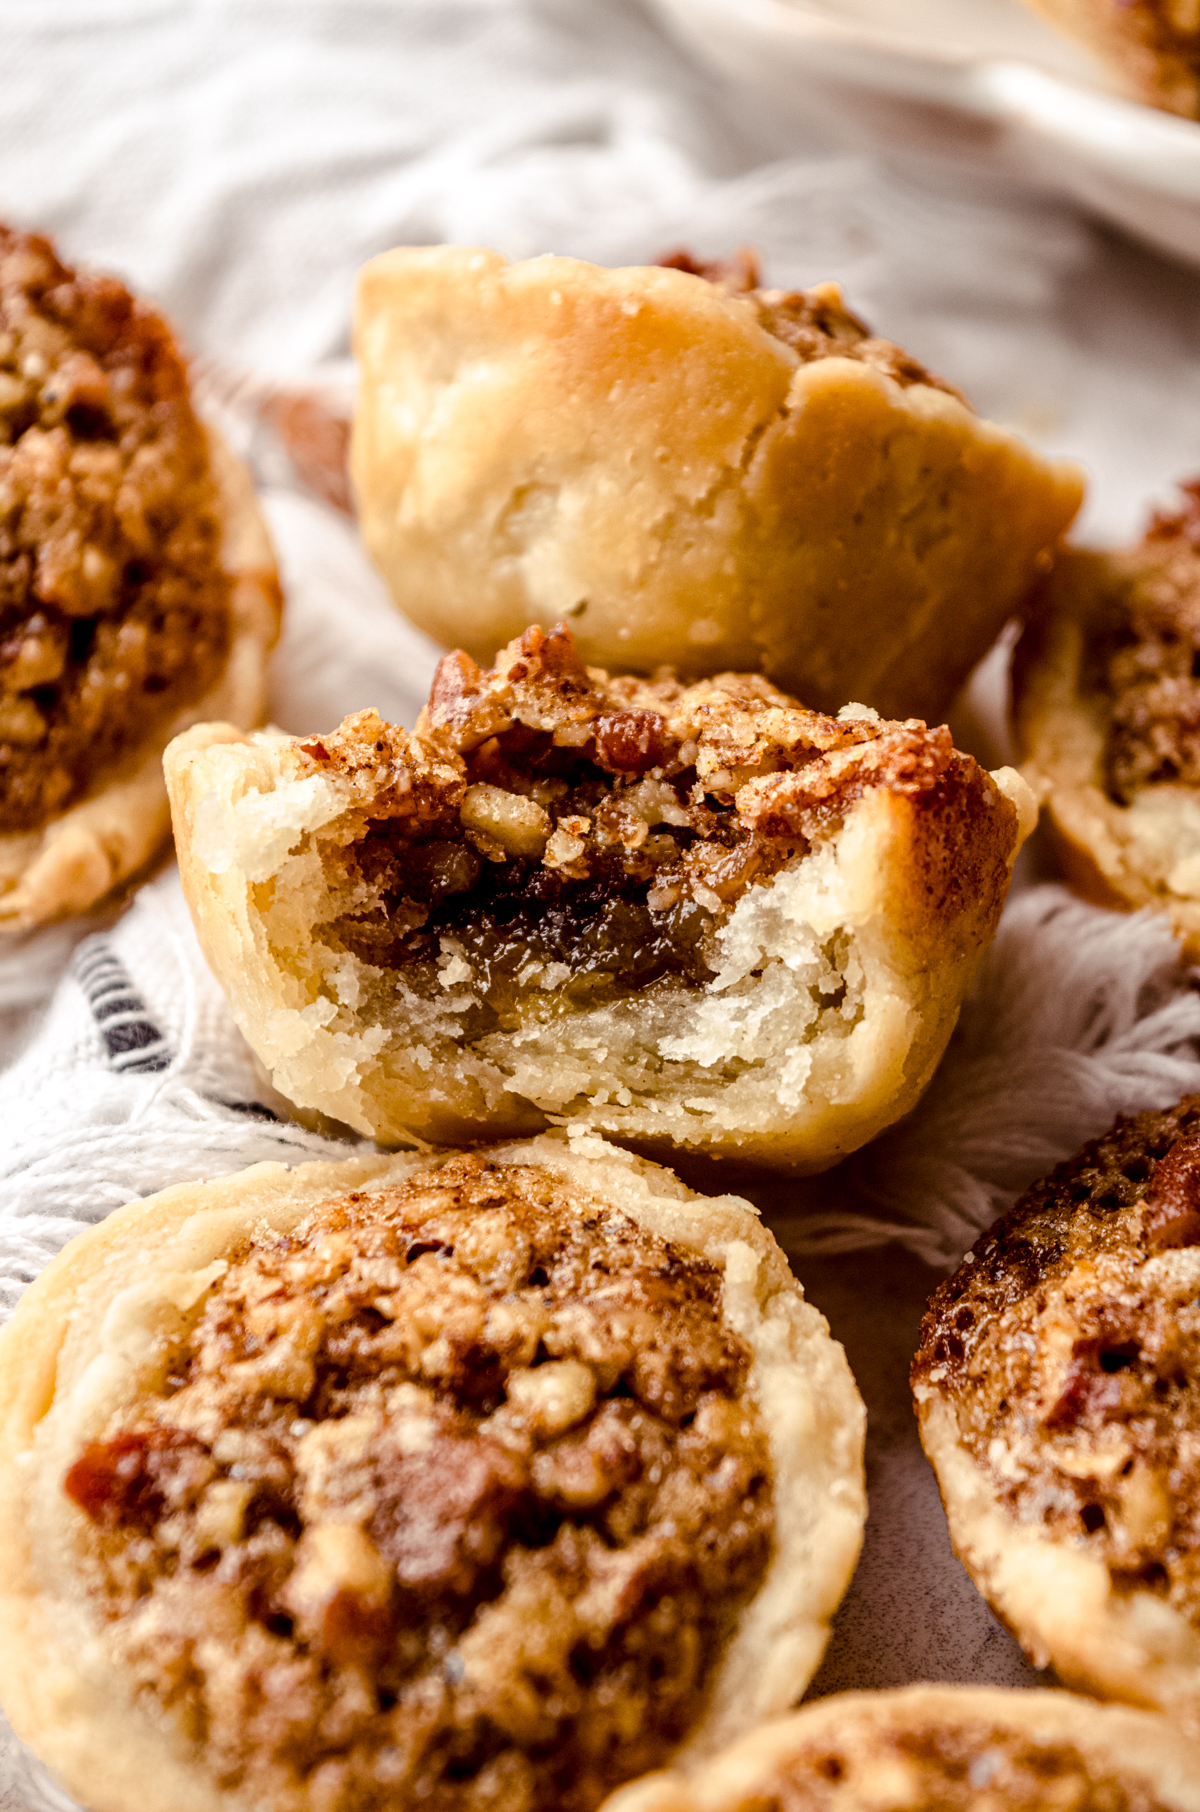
(114, 610)
(1071, 1353)
(1144, 659)
(971, 1765)
(451, 1500)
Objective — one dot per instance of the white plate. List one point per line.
(980, 81)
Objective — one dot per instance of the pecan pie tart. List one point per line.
(1150, 47)
(1107, 717)
(696, 918)
(689, 469)
(137, 587)
(1058, 1396)
(465, 1481)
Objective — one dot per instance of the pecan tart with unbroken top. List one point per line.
(1151, 47)
(939, 1749)
(696, 918)
(1056, 1387)
(689, 469)
(457, 1480)
(1106, 692)
(137, 586)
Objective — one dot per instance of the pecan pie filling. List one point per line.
(971, 1765)
(451, 1498)
(568, 837)
(814, 322)
(114, 609)
(1069, 1347)
(1145, 660)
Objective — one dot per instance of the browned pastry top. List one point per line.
(544, 812)
(1068, 1344)
(114, 609)
(451, 1500)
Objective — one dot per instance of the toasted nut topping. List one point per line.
(519, 825)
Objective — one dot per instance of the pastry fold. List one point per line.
(688, 472)
(461, 1480)
(698, 919)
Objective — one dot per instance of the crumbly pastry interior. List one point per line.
(815, 323)
(114, 608)
(1069, 1347)
(450, 1497)
(978, 1765)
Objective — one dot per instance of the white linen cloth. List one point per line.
(237, 159)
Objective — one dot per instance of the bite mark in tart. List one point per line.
(463, 1480)
(137, 588)
(940, 1749)
(704, 474)
(1107, 714)
(1056, 1390)
(695, 917)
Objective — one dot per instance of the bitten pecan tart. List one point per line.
(698, 918)
(940, 1749)
(1107, 710)
(137, 587)
(457, 1480)
(1056, 1387)
(690, 469)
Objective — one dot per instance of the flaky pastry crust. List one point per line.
(96, 1342)
(937, 1749)
(1150, 47)
(1105, 706)
(697, 919)
(1055, 1389)
(688, 475)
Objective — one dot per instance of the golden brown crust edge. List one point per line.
(83, 855)
(1154, 1754)
(1107, 851)
(608, 435)
(56, 1686)
(923, 897)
